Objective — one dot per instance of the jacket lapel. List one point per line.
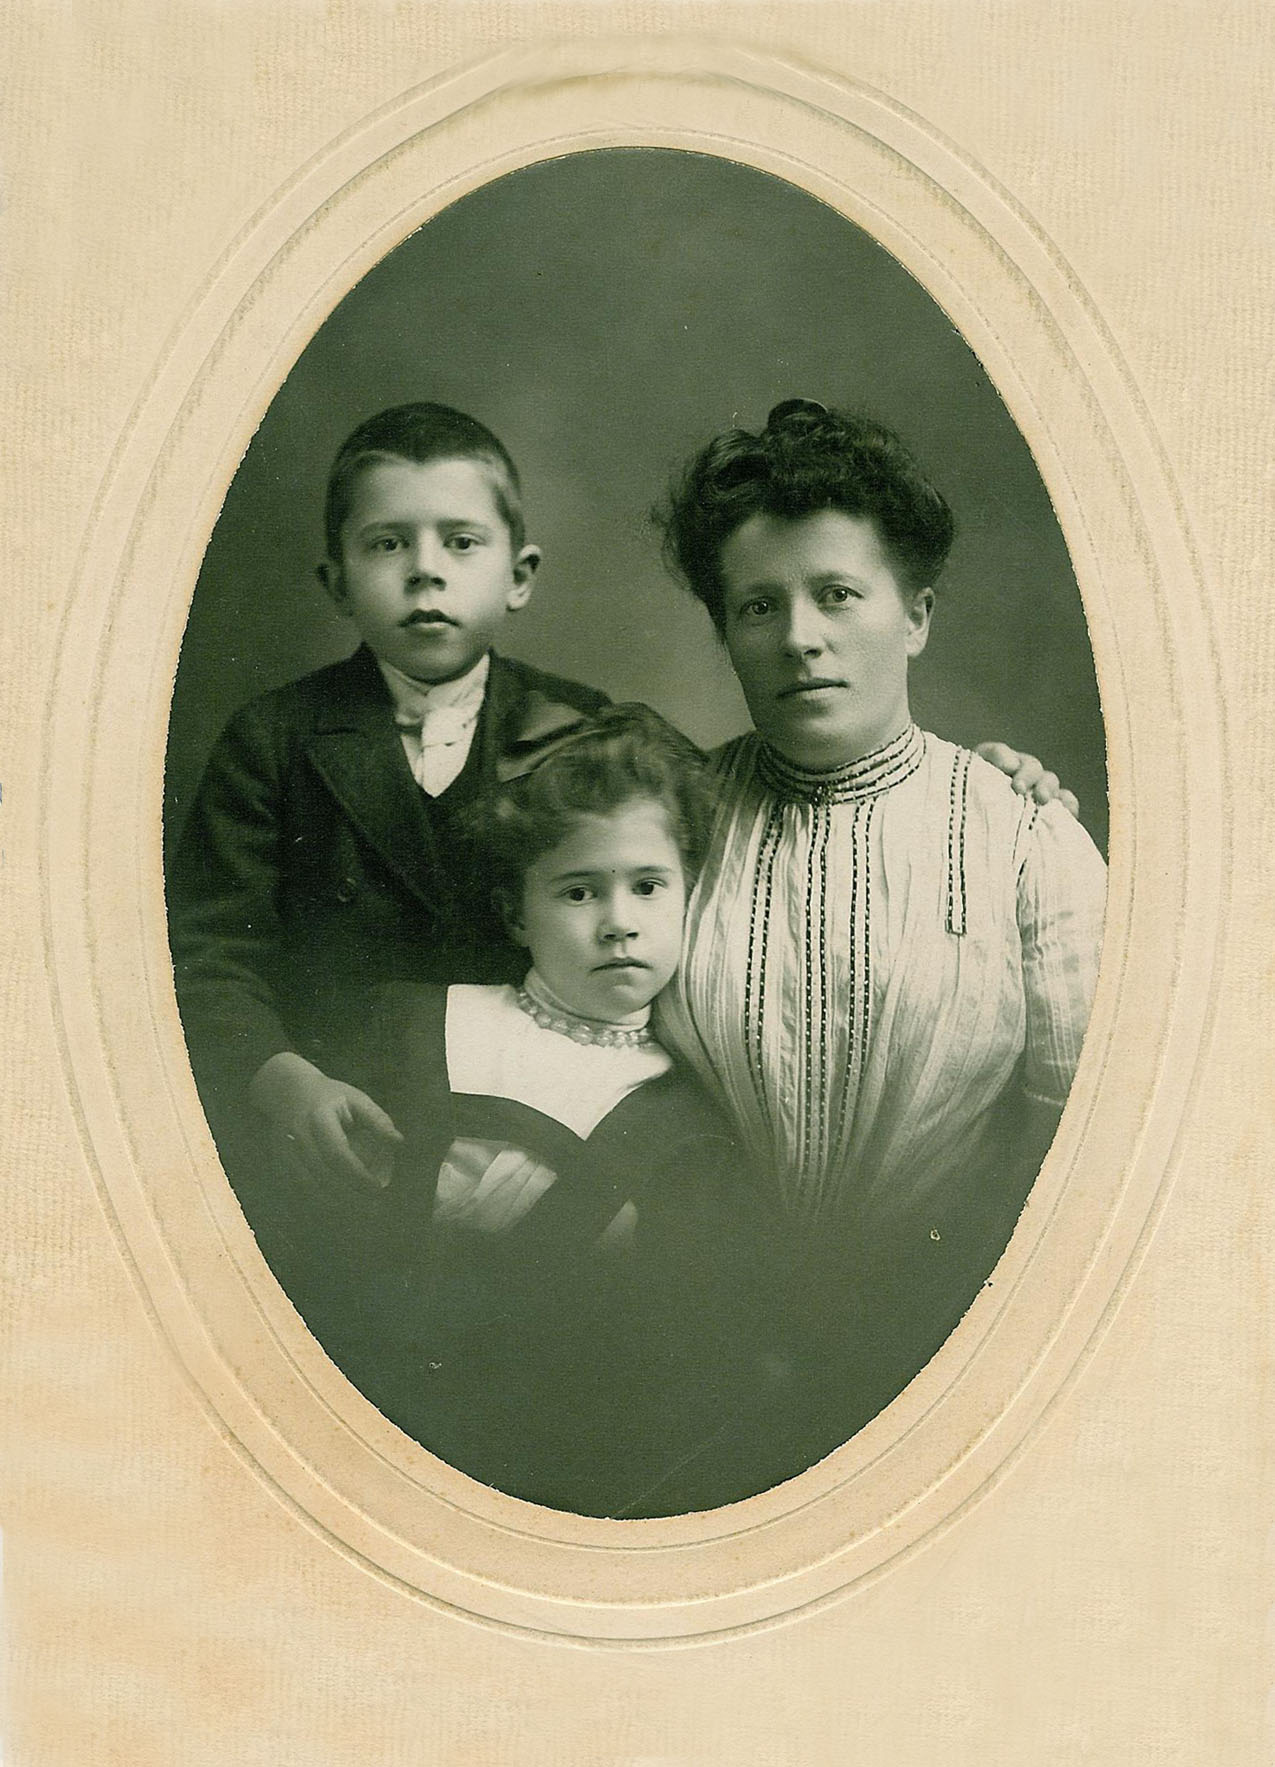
(358, 753)
(524, 723)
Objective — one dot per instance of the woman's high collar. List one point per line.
(867, 777)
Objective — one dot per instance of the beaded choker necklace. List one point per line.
(546, 1010)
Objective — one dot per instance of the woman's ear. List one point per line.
(919, 611)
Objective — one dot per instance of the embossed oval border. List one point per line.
(275, 1399)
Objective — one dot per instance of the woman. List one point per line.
(890, 956)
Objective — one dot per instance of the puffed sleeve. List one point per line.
(1062, 891)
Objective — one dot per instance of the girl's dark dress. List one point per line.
(622, 1378)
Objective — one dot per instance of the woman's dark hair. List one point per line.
(420, 433)
(805, 460)
(623, 754)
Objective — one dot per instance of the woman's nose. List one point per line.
(803, 635)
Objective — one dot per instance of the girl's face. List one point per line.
(820, 633)
(602, 911)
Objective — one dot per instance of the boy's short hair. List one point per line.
(623, 754)
(805, 460)
(420, 432)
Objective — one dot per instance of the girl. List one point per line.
(560, 1289)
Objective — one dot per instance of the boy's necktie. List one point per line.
(444, 736)
(442, 719)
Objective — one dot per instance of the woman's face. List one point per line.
(820, 633)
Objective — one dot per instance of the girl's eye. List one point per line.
(837, 594)
(756, 609)
(463, 542)
(648, 886)
(577, 893)
(386, 543)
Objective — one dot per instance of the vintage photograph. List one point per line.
(635, 810)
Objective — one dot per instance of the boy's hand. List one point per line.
(1028, 776)
(336, 1130)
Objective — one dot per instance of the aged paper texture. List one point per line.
(1053, 1547)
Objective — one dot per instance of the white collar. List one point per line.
(414, 701)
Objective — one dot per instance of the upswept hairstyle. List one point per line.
(806, 459)
(420, 433)
(623, 754)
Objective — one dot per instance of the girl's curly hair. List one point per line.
(624, 753)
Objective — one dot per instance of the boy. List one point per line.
(323, 850)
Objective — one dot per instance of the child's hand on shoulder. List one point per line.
(336, 1130)
(1028, 776)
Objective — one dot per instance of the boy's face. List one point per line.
(427, 570)
(602, 911)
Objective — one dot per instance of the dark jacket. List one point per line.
(312, 864)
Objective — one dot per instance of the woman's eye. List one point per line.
(577, 893)
(386, 543)
(838, 594)
(756, 609)
(463, 542)
(648, 886)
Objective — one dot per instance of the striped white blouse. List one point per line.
(874, 956)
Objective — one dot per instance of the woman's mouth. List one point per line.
(814, 685)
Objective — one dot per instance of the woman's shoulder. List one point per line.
(946, 757)
(1056, 846)
(974, 788)
(735, 758)
(1035, 837)
(983, 828)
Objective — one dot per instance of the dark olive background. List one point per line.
(605, 313)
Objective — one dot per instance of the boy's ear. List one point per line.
(919, 612)
(525, 567)
(332, 582)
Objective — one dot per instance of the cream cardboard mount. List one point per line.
(407, 1517)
